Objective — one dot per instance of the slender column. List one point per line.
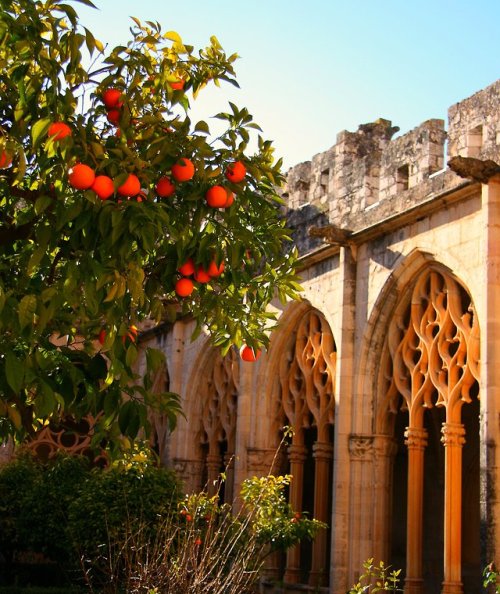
(453, 440)
(384, 449)
(323, 454)
(361, 501)
(297, 455)
(213, 473)
(416, 441)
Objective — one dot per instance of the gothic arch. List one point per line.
(429, 360)
(266, 417)
(211, 409)
(302, 395)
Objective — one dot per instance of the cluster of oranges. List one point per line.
(185, 285)
(83, 177)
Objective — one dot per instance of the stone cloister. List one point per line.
(387, 370)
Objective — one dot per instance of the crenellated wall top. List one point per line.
(371, 174)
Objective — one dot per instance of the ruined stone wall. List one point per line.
(369, 176)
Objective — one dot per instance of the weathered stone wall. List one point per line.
(368, 176)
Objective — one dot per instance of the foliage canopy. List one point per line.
(75, 267)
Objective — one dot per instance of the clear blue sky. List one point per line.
(312, 68)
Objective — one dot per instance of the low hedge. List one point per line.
(51, 514)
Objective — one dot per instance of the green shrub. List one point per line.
(112, 502)
(53, 513)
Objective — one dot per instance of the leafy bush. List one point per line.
(491, 578)
(111, 503)
(377, 578)
(204, 547)
(51, 513)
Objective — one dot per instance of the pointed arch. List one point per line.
(423, 355)
(301, 394)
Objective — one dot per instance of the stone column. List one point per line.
(361, 501)
(384, 448)
(297, 454)
(323, 454)
(488, 307)
(453, 440)
(416, 441)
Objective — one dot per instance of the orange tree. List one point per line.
(114, 208)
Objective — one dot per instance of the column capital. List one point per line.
(297, 453)
(322, 450)
(453, 434)
(385, 445)
(416, 438)
(262, 460)
(360, 446)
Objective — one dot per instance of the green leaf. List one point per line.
(39, 131)
(202, 126)
(14, 371)
(26, 311)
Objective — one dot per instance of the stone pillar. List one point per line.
(361, 501)
(453, 440)
(297, 454)
(489, 315)
(384, 449)
(213, 473)
(416, 442)
(323, 454)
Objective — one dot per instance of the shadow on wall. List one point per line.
(300, 220)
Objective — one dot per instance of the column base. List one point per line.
(452, 588)
(414, 586)
(317, 578)
(292, 575)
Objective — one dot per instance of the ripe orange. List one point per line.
(188, 268)
(214, 270)
(184, 287)
(130, 187)
(111, 98)
(102, 336)
(164, 187)
(216, 197)
(81, 176)
(236, 172)
(177, 85)
(201, 275)
(59, 130)
(103, 187)
(5, 160)
(114, 116)
(249, 354)
(183, 170)
(230, 199)
(131, 334)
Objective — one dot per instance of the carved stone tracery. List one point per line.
(217, 433)
(306, 400)
(434, 348)
(433, 360)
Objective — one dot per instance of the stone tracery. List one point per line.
(433, 360)
(307, 402)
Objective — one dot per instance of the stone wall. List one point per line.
(368, 175)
